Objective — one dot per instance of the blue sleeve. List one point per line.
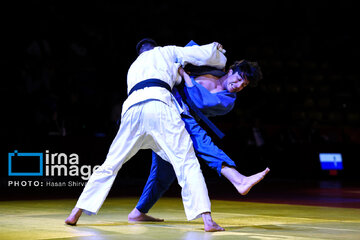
(211, 104)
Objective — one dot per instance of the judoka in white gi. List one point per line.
(151, 120)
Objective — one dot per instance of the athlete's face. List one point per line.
(235, 82)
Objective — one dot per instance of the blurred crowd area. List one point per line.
(69, 76)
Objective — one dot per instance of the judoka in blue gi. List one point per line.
(214, 93)
(151, 119)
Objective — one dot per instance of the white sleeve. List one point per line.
(200, 55)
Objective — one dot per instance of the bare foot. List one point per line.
(248, 182)
(74, 216)
(209, 224)
(242, 183)
(137, 216)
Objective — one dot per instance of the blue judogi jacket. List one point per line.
(211, 104)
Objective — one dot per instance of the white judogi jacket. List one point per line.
(163, 63)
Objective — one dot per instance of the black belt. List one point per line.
(152, 82)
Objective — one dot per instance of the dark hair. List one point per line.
(250, 70)
(145, 42)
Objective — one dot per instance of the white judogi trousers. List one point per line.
(157, 126)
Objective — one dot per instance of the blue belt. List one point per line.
(151, 82)
(202, 116)
(182, 94)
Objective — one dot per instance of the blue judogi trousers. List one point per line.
(162, 174)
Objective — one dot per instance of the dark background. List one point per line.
(64, 81)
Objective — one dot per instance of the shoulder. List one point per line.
(207, 81)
